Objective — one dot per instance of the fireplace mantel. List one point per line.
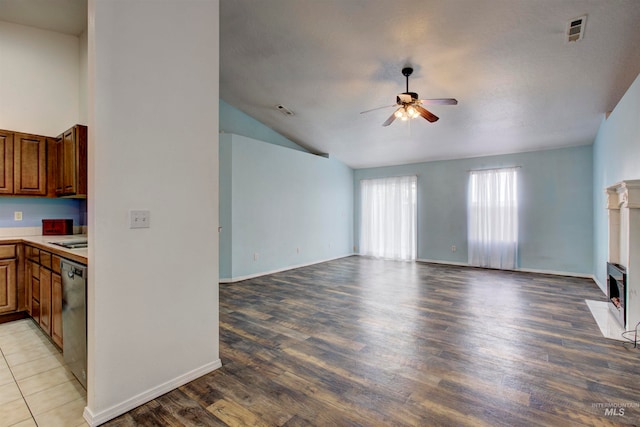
(623, 203)
(624, 194)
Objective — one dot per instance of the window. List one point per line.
(493, 218)
(388, 217)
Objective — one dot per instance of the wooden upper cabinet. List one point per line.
(71, 162)
(34, 165)
(29, 165)
(6, 162)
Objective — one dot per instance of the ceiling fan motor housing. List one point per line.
(406, 98)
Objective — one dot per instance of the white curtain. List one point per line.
(388, 217)
(493, 218)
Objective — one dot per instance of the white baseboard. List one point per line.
(95, 419)
(524, 270)
(434, 261)
(291, 267)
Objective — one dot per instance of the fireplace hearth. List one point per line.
(616, 292)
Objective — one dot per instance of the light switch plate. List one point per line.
(139, 219)
(17, 216)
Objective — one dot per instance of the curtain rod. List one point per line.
(392, 176)
(494, 169)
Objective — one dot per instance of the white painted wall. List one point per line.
(83, 116)
(38, 80)
(153, 144)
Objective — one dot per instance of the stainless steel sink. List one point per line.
(72, 244)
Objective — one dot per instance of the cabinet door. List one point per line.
(29, 165)
(8, 285)
(54, 185)
(56, 309)
(6, 162)
(45, 300)
(34, 281)
(27, 285)
(71, 162)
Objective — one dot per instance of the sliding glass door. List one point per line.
(388, 217)
(493, 218)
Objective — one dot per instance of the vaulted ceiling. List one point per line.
(520, 85)
(62, 16)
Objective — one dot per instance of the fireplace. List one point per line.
(616, 291)
(622, 309)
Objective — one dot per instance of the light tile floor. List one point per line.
(36, 388)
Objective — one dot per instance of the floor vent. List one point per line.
(575, 28)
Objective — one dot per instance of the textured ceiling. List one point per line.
(520, 85)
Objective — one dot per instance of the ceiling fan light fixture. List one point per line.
(412, 112)
(409, 106)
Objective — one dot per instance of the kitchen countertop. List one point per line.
(43, 242)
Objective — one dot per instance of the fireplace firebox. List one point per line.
(616, 291)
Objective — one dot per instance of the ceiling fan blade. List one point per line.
(426, 114)
(377, 108)
(390, 119)
(439, 101)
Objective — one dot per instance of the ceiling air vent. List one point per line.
(575, 28)
(284, 110)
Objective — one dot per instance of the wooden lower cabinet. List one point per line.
(56, 309)
(34, 284)
(27, 285)
(44, 292)
(45, 300)
(8, 285)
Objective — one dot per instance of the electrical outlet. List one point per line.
(453, 248)
(17, 216)
(255, 256)
(139, 219)
(297, 250)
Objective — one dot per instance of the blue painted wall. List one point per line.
(288, 207)
(34, 210)
(235, 121)
(555, 207)
(224, 200)
(616, 157)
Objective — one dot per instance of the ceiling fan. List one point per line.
(410, 107)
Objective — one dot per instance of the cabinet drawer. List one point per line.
(45, 259)
(7, 251)
(55, 263)
(33, 254)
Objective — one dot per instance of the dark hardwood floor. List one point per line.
(363, 342)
